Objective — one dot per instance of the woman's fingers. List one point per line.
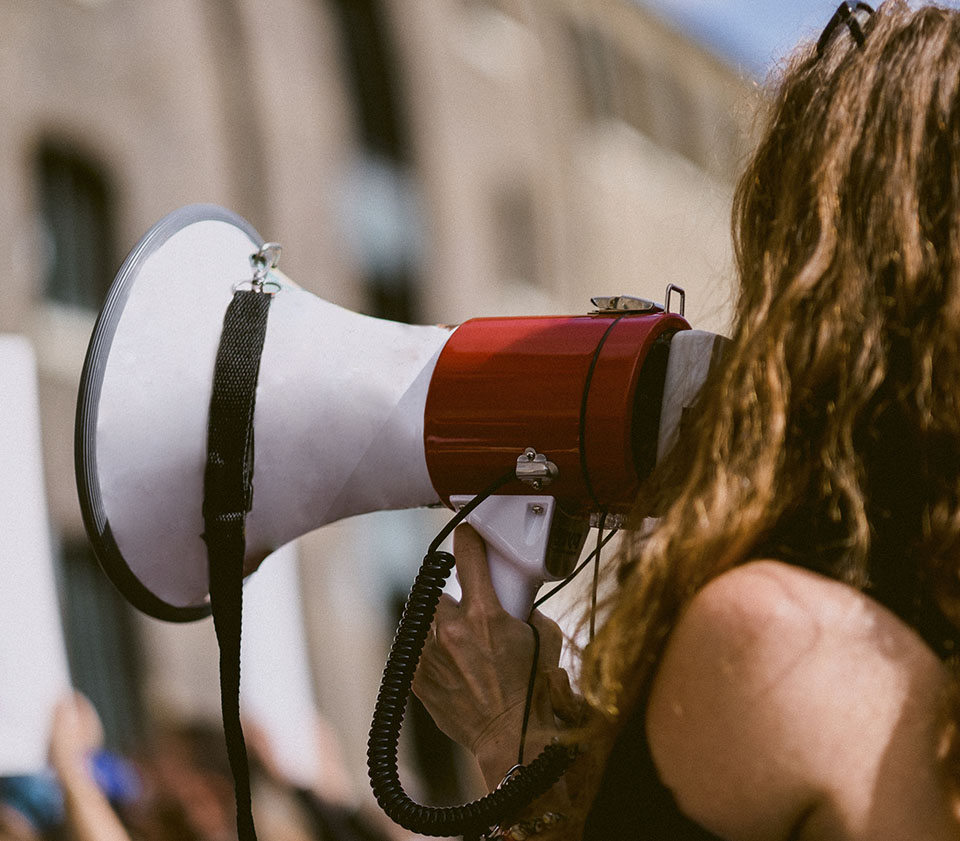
(473, 572)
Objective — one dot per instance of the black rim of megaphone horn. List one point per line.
(91, 383)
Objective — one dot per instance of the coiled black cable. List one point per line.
(470, 819)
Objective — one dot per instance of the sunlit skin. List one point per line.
(790, 703)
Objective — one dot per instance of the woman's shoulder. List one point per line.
(791, 705)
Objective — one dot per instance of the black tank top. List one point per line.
(632, 804)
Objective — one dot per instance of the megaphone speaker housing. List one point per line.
(145, 391)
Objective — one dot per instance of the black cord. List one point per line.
(583, 565)
(596, 576)
(582, 433)
(531, 682)
(467, 509)
(528, 704)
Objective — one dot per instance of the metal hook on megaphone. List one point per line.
(265, 260)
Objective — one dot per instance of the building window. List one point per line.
(102, 644)
(386, 244)
(653, 100)
(595, 64)
(380, 214)
(75, 206)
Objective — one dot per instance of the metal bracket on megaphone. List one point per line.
(632, 304)
(535, 469)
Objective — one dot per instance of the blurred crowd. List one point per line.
(178, 788)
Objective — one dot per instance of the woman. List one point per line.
(778, 660)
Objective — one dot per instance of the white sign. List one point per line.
(276, 689)
(33, 663)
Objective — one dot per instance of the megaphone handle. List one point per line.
(515, 585)
(516, 531)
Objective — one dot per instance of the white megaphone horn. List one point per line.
(357, 414)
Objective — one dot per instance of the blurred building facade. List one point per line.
(423, 160)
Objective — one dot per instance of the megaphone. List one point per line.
(528, 427)
(357, 414)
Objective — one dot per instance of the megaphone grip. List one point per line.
(469, 819)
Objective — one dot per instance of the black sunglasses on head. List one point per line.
(846, 13)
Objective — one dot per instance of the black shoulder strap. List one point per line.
(227, 498)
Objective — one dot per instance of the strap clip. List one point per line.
(263, 261)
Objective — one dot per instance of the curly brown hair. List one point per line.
(830, 433)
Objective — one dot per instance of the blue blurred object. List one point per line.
(116, 777)
(37, 797)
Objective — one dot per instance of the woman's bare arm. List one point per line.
(76, 734)
(788, 705)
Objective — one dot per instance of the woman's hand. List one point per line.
(75, 735)
(475, 670)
